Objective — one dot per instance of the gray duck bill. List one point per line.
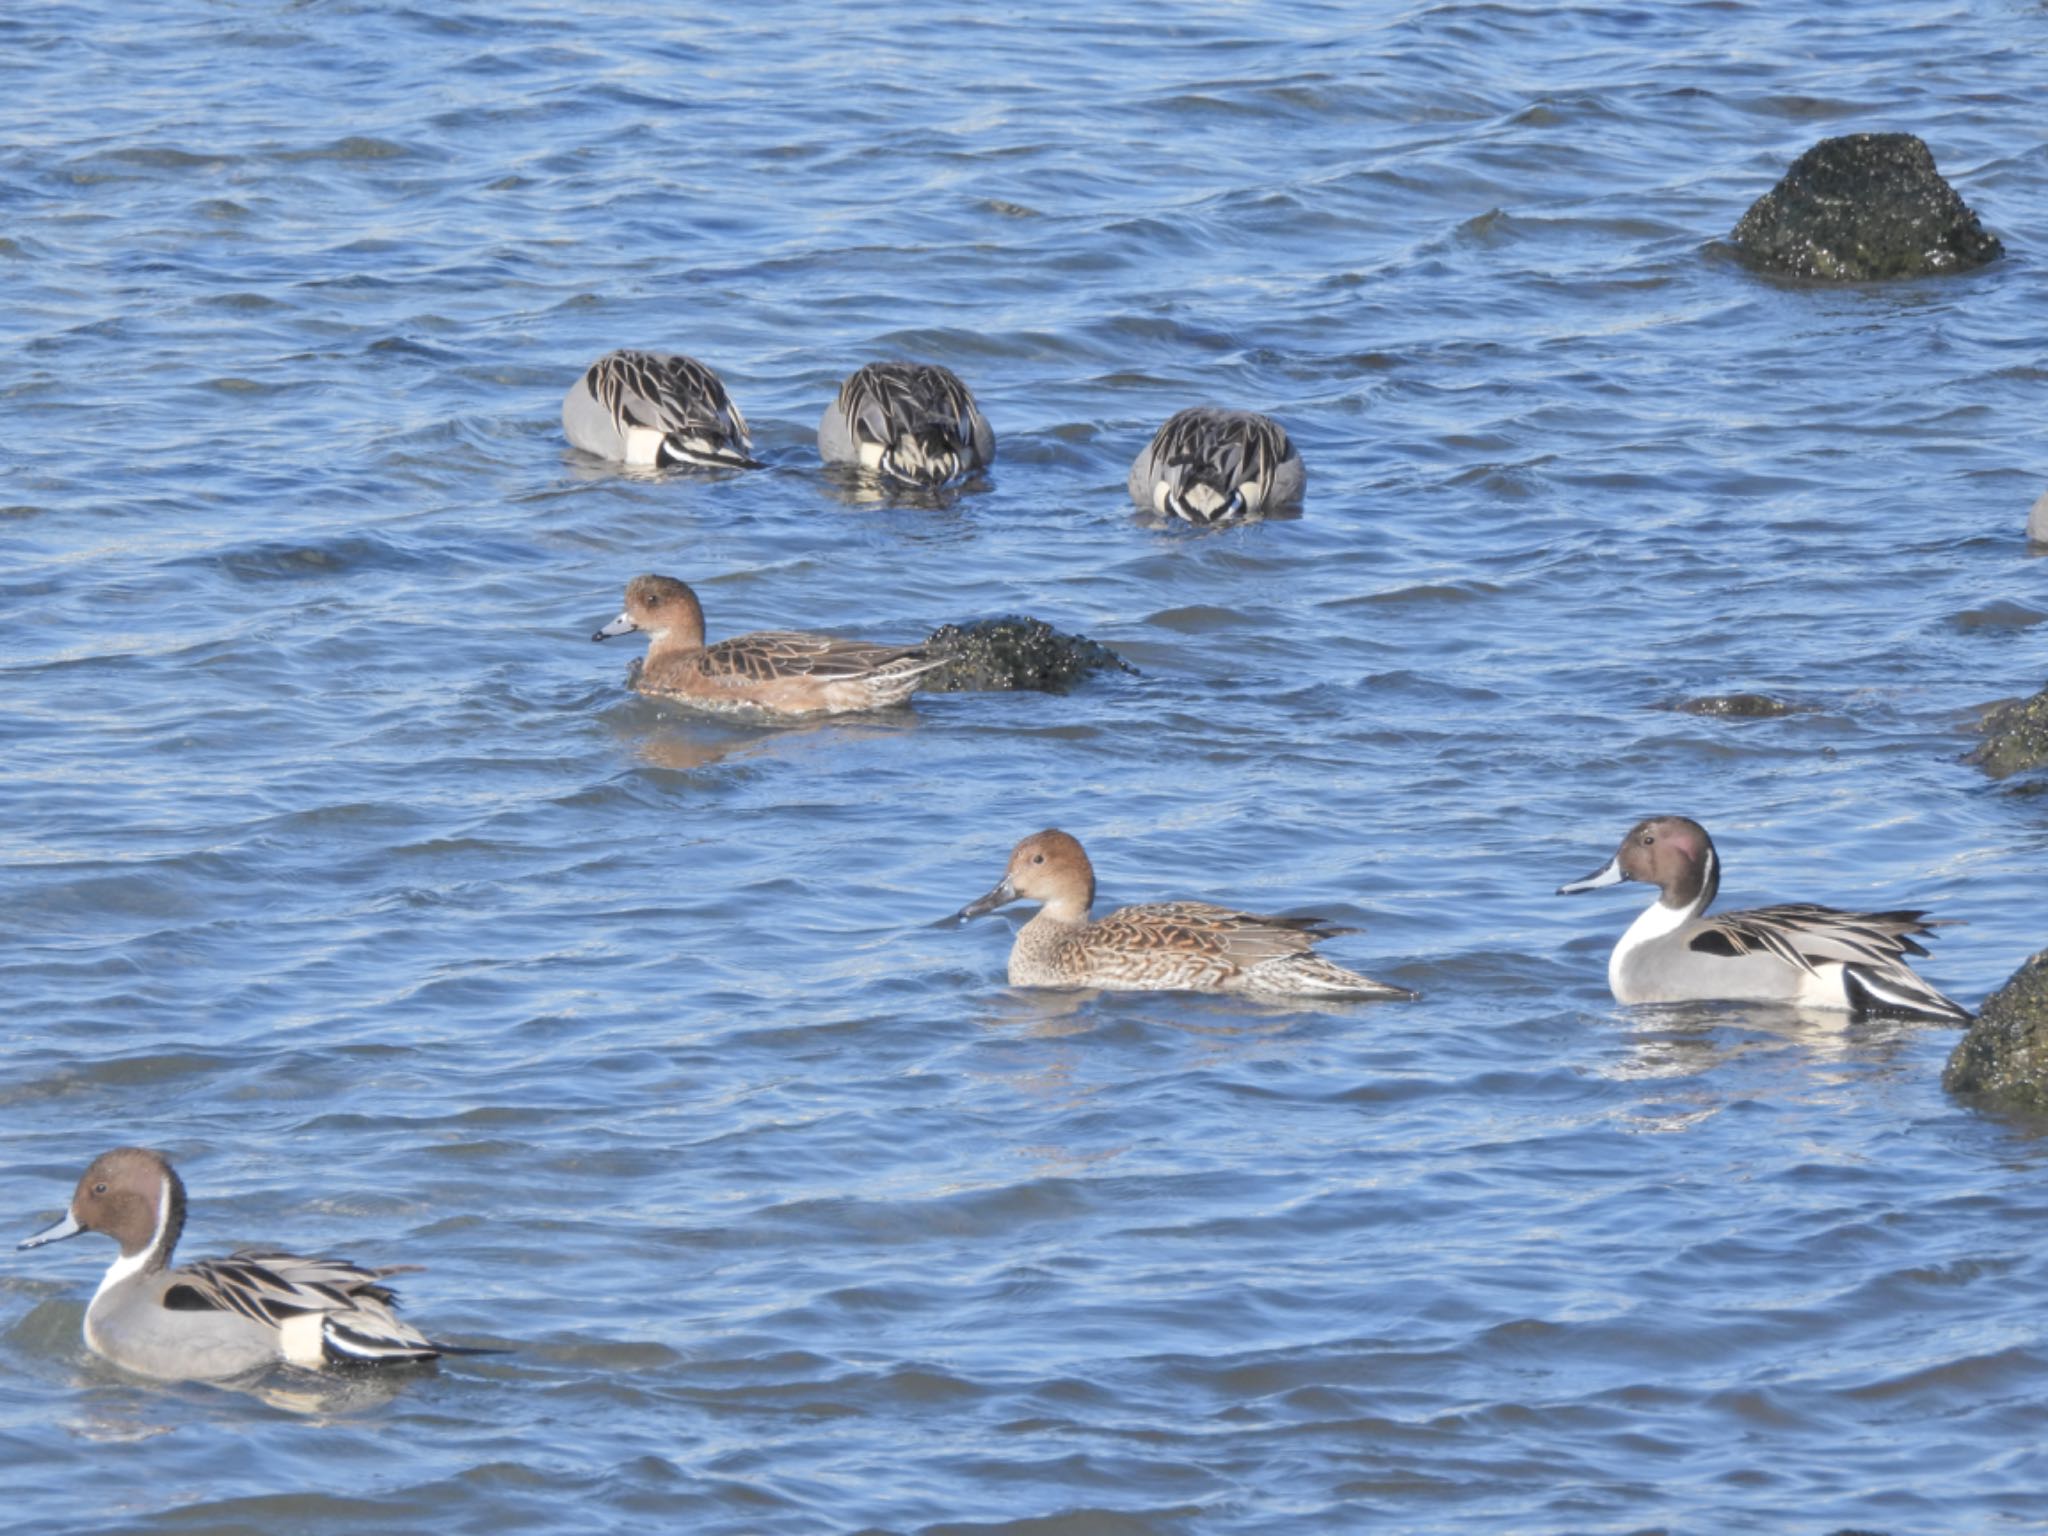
(56, 1232)
(1608, 874)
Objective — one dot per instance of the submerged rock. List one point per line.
(1866, 205)
(1745, 706)
(1015, 651)
(2005, 1054)
(2015, 737)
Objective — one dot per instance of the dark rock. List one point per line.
(1864, 206)
(1014, 651)
(2005, 1054)
(2015, 737)
(1745, 706)
(1999, 614)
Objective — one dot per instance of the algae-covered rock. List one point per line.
(1741, 706)
(2005, 1054)
(1014, 651)
(1863, 206)
(2015, 737)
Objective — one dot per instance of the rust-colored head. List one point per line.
(1048, 867)
(662, 607)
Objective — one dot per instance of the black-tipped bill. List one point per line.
(1609, 875)
(622, 625)
(1001, 896)
(68, 1227)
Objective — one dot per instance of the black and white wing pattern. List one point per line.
(657, 408)
(1209, 465)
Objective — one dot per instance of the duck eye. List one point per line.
(1648, 839)
(654, 601)
(99, 1189)
(1038, 858)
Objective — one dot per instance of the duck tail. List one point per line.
(1898, 993)
(1313, 976)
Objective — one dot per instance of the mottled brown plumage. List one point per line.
(1180, 946)
(782, 671)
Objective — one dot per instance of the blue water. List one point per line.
(339, 865)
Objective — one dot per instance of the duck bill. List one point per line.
(1609, 875)
(622, 625)
(1001, 896)
(68, 1227)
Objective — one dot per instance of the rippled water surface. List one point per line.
(340, 866)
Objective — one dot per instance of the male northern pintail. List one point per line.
(220, 1317)
(914, 423)
(1209, 465)
(1174, 946)
(1819, 957)
(657, 408)
(784, 672)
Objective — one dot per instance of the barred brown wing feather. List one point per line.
(773, 654)
(1240, 938)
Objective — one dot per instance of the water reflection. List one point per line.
(864, 492)
(1682, 1040)
(672, 734)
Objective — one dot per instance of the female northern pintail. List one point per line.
(781, 671)
(1209, 465)
(910, 422)
(657, 408)
(1819, 957)
(220, 1317)
(1175, 946)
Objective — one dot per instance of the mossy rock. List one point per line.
(2005, 1054)
(2015, 737)
(1015, 651)
(1739, 706)
(1864, 206)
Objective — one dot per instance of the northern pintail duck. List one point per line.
(914, 423)
(781, 671)
(657, 408)
(1208, 465)
(220, 1317)
(1173, 946)
(1819, 957)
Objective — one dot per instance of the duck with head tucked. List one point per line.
(657, 408)
(912, 424)
(1173, 946)
(1798, 954)
(783, 672)
(1209, 465)
(221, 1317)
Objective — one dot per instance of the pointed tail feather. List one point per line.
(1899, 993)
(1313, 976)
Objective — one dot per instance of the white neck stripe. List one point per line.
(1656, 921)
(129, 1264)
